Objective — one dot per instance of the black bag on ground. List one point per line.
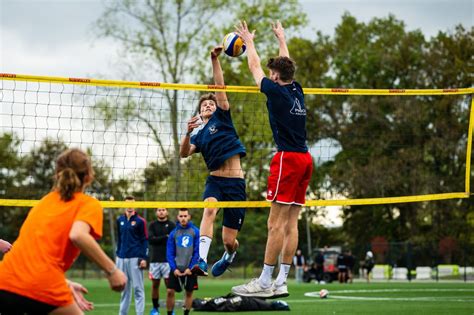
(235, 303)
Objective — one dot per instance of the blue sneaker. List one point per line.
(155, 311)
(220, 266)
(200, 269)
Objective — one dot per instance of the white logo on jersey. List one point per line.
(212, 129)
(270, 193)
(297, 109)
(185, 241)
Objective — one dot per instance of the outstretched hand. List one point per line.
(216, 51)
(78, 292)
(278, 30)
(243, 31)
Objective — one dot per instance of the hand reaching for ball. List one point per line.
(216, 51)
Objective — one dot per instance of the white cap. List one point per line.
(370, 254)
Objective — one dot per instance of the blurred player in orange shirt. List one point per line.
(64, 223)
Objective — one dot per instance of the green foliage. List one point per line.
(391, 146)
(31, 176)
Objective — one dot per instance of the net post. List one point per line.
(469, 147)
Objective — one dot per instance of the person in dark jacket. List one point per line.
(182, 253)
(341, 266)
(132, 254)
(158, 232)
(350, 262)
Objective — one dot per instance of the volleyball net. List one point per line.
(368, 146)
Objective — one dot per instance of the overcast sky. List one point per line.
(55, 37)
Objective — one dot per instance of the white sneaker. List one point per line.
(279, 291)
(252, 289)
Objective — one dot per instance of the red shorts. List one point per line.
(290, 173)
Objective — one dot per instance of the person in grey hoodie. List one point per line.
(182, 253)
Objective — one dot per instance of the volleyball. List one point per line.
(233, 45)
(323, 293)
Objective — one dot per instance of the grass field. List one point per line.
(358, 298)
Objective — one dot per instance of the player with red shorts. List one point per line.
(290, 168)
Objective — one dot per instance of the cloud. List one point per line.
(71, 58)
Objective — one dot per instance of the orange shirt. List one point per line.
(43, 252)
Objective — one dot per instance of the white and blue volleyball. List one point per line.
(233, 45)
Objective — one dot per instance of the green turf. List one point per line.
(358, 298)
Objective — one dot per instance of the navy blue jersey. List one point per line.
(217, 140)
(287, 115)
(132, 237)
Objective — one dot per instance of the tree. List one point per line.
(169, 36)
(391, 146)
(31, 176)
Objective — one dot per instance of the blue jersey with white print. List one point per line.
(217, 140)
(287, 114)
(182, 249)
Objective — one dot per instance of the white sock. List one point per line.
(282, 274)
(229, 257)
(265, 279)
(204, 245)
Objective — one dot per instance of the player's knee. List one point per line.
(210, 212)
(291, 229)
(274, 226)
(169, 293)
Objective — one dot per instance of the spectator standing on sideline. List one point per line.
(319, 262)
(158, 232)
(299, 263)
(132, 249)
(369, 264)
(342, 268)
(350, 262)
(182, 252)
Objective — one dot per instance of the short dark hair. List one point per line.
(129, 197)
(285, 66)
(184, 209)
(205, 97)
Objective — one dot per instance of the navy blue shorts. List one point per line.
(228, 189)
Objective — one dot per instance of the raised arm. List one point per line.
(252, 55)
(279, 32)
(221, 96)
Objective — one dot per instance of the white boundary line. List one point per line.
(419, 299)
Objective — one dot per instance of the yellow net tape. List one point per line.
(254, 89)
(251, 204)
(227, 88)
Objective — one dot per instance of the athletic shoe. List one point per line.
(252, 289)
(200, 269)
(279, 291)
(220, 266)
(155, 311)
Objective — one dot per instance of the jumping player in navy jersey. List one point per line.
(290, 168)
(213, 134)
